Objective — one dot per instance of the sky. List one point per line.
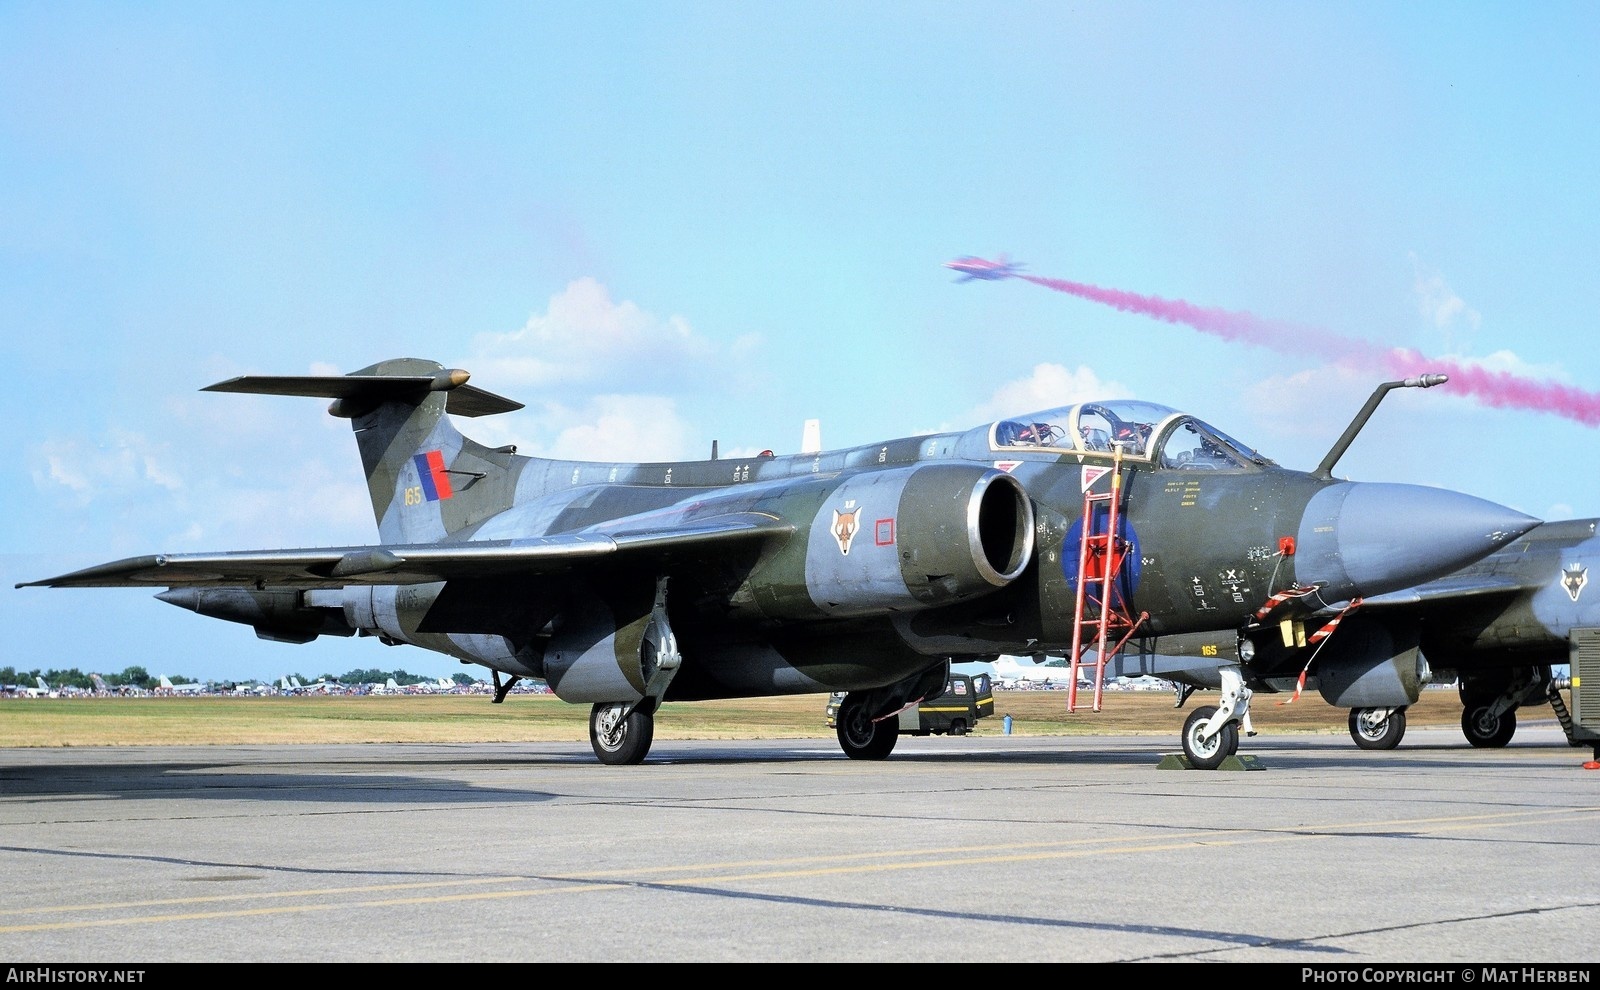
(663, 225)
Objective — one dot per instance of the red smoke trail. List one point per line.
(1499, 389)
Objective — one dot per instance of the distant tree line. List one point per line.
(139, 677)
(73, 677)
(355, 677)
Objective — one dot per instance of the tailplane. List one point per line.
(425, 479)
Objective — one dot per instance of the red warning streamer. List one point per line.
(1280, 598)
(1319, 637)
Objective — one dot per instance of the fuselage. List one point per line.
(899, 554)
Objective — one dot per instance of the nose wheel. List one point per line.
(1205, 747)
(1211, 732)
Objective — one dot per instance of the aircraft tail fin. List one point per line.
(425, 479)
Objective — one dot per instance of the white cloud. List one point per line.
(270, 511)
(624, 428)
(252, 471)
(600, 428)
(1048, 386)
(1439, 304)
(122, 464)
(1510, 363)
(1315, 402)
(585, 335)
(1559, 510)
(241, 471)
(586, 339)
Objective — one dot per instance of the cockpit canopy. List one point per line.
(1142, 430)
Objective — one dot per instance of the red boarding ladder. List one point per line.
(1100, 558)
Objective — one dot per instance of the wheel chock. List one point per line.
(1177, 761)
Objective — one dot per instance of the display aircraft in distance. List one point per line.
(189, 687)
(292, 685)
(866, 570)
(1008, 671)
(41, 689)
(1499, 628)
(972, 267)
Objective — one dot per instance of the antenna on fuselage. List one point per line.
(811, 437)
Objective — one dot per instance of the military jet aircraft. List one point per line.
(1498, 628)
(866, 570)
(40, 689)
(972, 267)
(188, 687)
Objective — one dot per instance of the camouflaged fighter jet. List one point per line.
(865, 570)
(1498, 628)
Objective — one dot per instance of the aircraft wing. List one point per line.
(335, 567)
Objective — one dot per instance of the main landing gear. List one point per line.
(1490, 699)
(1377, 728)
(860, 737)
(621, 733)
(1486, 725)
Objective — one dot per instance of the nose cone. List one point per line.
(1360, 539)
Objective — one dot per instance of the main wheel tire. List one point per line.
(627, 742)
(860, 737)
(1371, 732)
(1485, 729)
(1208, 754)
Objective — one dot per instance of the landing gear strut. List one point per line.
(621, 731)
(1491, 700)
(1211, 732)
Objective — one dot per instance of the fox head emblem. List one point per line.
(845, 525)
(1573, 579)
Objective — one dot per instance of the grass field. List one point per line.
(205, 721)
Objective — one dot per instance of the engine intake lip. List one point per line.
(1000, 528)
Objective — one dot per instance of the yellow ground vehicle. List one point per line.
(955, 711)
